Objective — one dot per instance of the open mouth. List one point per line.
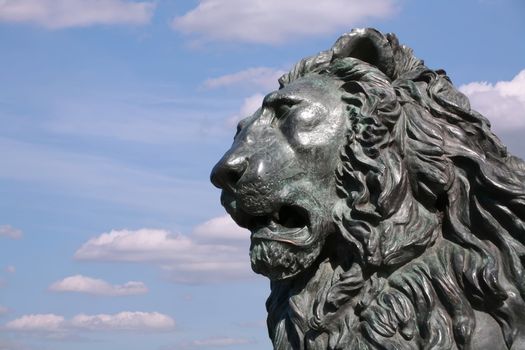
(288, 223)
(287, 218)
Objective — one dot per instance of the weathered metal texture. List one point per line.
(382, 208)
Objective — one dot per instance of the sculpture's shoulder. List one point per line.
(487, 334)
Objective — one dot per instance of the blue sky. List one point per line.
(113, 112)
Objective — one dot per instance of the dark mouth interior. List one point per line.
(292, 216)
(288, 216)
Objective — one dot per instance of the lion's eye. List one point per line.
(284, 109)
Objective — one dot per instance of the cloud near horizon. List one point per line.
(94, 286)
(503, 103)
(37, 323)
(122, 321)
(216, 251)
(58, 14)
(275, 21)
(221, 342)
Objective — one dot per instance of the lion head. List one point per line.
(384, 211)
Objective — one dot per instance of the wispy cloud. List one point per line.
(253, 324)
(142, 126)
(248, 107)
(275, 21)
(122, 321)
(216, 251)
(261, 77)
(138, 119)
(97, 177)
(503, 102)
(13, 345)
(10, 232)
(3, 310)
(56, 14)
(88, 285)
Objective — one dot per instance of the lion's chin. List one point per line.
(278, 260)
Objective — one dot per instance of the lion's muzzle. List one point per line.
(227, 172)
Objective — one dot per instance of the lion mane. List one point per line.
(430, 217)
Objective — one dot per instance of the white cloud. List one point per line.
(503, 103)
(84, 284)
(249, 106)
(219, 229)
(139, 245)
(37, 323)
(10, 269)
(275, 21)
(263, 77)
(56, 14)
(216, 251)
(10, 232)
(123, 321)
(221, 342)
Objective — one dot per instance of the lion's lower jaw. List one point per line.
(416, 307)
(279, 261)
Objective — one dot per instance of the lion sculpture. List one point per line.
(383, 209)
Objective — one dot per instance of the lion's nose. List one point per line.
(228, 171)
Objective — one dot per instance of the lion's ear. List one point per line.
(369, 46)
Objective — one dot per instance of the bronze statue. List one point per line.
(383, 209)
